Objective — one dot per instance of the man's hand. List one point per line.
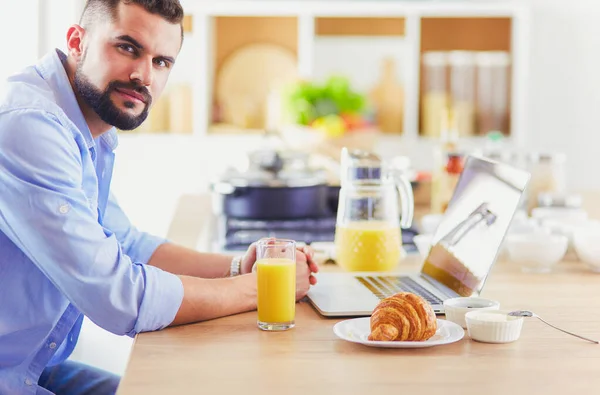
(305, 267)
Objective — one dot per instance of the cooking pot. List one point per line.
(276, 185)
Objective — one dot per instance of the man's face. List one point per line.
(125, 65)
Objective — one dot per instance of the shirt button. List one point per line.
(64, 209)
(28, 382)
(52, 345)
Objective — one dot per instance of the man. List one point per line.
(66, 248)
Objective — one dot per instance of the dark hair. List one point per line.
(94, 10)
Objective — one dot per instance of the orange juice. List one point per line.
(276, 290)
(368, 246)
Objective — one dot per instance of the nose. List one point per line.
(142, 72)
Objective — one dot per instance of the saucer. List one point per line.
(357, 330)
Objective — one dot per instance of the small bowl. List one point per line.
(456, 308)
(430, 222)
(567, 227)
(493, 326)
(561, 213)
(520, 227)
(586, 242)
(423, 243)
(536, 252)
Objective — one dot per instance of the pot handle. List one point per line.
(407, 200)
(225, 188)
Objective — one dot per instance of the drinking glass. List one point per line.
(276, 272)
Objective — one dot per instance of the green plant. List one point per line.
(306, 101)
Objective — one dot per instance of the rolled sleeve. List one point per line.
(145, 246)
(163, 291)
(45, 212)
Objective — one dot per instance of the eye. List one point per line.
(162, 63)
(127, 48)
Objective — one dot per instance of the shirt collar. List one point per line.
(52, 70)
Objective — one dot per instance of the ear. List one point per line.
(75, 36)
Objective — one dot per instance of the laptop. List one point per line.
(464, 248)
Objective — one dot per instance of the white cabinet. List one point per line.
(303, 27)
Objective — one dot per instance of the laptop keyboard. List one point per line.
(384, 286)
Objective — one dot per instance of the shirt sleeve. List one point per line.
(44, 211)
(139, 246)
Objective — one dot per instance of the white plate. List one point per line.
(357, 330)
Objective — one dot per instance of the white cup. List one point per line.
(456, 308)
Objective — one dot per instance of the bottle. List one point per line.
(447, 164)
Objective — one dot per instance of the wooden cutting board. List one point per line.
(246, 78)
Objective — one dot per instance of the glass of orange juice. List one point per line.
(276, 272)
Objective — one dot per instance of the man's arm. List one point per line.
(45, 212)
(210, 298)
(205, 299)
(146, 248)
(187, 262)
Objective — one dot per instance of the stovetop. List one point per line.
(238, 233)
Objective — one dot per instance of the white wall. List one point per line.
(564, 87)
(19, 39)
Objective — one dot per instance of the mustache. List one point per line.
(142, 90)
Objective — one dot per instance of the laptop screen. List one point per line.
(466, 243)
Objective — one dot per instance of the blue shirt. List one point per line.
(66, 248)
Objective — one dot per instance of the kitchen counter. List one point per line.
(230, 355)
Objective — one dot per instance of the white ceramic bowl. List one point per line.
(493, 326)
(586, 242)
(456, 308)
(429, 223)
(527, 225)
(520, 226)
(544, 213)
(536, 252)
(567, 226)
(423, 243)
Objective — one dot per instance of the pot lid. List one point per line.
(283, 178)
(275, 168)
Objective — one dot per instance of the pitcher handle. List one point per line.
(407, 200)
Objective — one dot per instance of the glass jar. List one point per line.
(548, 175)
(492, 92)
(462, 90)
(435, 93)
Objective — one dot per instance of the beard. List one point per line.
(102, 105)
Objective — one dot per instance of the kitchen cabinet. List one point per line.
(294, 36)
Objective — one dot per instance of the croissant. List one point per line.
(403, 317)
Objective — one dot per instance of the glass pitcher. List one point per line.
(368, 227)
(457, 268)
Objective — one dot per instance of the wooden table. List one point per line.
(231, 356)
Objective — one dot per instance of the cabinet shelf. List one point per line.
(220, 28)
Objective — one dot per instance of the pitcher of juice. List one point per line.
(368, 227)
